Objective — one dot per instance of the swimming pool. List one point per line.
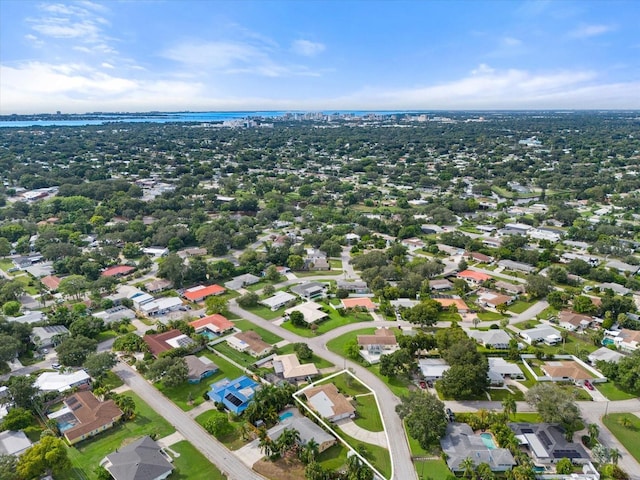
(286, 415)
(64, 426)
(208, 334)
(487, 439)
(607, 341)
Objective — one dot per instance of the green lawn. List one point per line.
(527, 324)
(528, 417)
(333, 458)
(398, 385)
(609, 390)
(232, 440)
(335, 320)
(192, 465)
(241, 358)
(318, 273)
(335, 263)
(111, 380)
(6, 264)
(265, 312)
(266, 335)
(86, 455)
(490, 316)
(337, 344)
(367, 414)
(447, 316)
(180, 394)
(378, 456)
(628, 436)
(25, 280)
(436, 469)
(520, 306)
(497, 395)
(315, 359)
(348, 385)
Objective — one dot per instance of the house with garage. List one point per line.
(249, 342)
(517, 266)
(118, 271)
(569, 371)
(546, 334)
(460, 442)
(473, 278)
(14, 442)
(235, 394)
(493, 300)
(157, 286)
(383, 341)
(432, 368)
(627, 340)
(84, 416)
(115, 314)
(242, 281)
(278, 300)
(546, 443)
(362, 302)
(498, 339)
(199, 368)
(51, 282)
(440, 285)
(329, 403)
(355, 287)
(310, 290)
(212, 326)
(510, 288)
(61, 382)
(574, 322)
(604, 354)
(48, 336)
(289, 368)
(162, 342)
(311, 311)
(458, 303)
(142, 459)
(200, 293)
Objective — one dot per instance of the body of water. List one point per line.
(169, 117)
(487, 439)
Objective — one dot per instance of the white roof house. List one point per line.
(433, 368)
(310, 310)
(491, 338)
(499, 366)
(545, 334)
(290, 367)
(52, 381)
(278, 300)
(13, 443)
(604, 354)
(161, 305)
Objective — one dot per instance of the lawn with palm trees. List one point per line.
(626, 428)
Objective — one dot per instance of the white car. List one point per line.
(55, 366)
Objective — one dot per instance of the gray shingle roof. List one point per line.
(140, 460)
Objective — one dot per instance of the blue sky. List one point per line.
(139, 55)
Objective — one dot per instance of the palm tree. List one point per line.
(483, 416)
(594, 430)
(484, 472)
(468, 467)
(614, 455)
(265, 444)
(509, 406)
(625, 421)
(127, 405)
(288, 439)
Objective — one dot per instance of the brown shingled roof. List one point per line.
(91, 413)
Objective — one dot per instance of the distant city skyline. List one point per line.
(136, 56)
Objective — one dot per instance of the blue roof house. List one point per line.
(234, 394)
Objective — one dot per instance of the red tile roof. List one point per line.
(51, 282)
(477, 276)
(197, 293)
(91, 413)
(358, 302)
(219, 322)
(158, 342)
(117, 270)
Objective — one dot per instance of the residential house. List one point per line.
(14, 443)
(193, 252)
(363, 302)
(51, 282)
(548, 335)
(156, 252)
(460, 443)
(310, 290)
(623, 267)
(356, 287)
(615, 287)
(28, 317)
(241, 281)
(433, 368)
(604, 354)
(316, 260)
(61, 382)
(478, 257)
(329, 403)
(200, 293)
(84, 416)
(475, 278)
(249, 342)
(162, 306)
(489, 299)
(199, 368)
(157, 286)
(235, 394)
(510, 288)
(499, 369)
(382, 342)
(517, 266)
(498, 339)
(547, 444)
(289, 368)
(115, 314)
(568, 370)
(541, 233)
(412, 244)
(404, 303)
(118, 271)
(162, 342)
(441, 284)
(139, 298)
(628, 340)
(311, 311)
(446, 303)
(213, 325)
(492, 242)
(142, 459)
(48, 336)
(278, 300)
(574, 322)
(307, 430)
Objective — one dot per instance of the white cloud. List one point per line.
(587, 31)
(511, 42)
(106, 65)
(307, 48)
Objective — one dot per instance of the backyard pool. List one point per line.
(63, 426)
(208, 334)
(286, 415)
(487, 439)
(607, 341)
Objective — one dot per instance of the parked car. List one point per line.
(55, 366)
(587, 384)
(429, 384)
(423, 385)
